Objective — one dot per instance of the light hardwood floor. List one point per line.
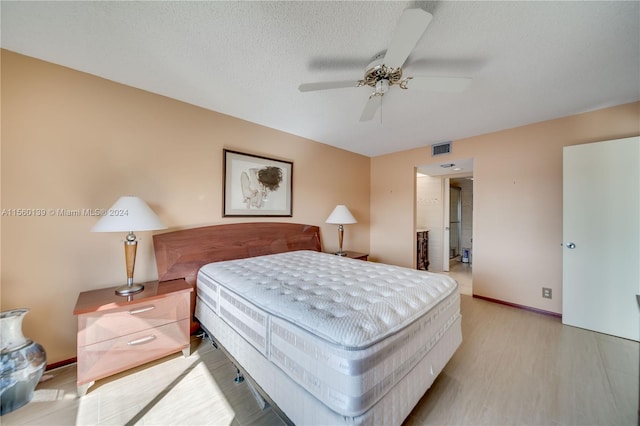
(461, 272)
(513, 367)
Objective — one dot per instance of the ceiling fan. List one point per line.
(385, 69)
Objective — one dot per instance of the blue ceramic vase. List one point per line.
(23, 362)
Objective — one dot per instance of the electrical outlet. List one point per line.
(546, 292)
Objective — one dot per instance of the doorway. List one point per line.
(433, 206)
(455, 221)
(461, 232)
(461, 219)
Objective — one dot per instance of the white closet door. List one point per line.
(601, 236)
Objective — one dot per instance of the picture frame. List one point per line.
(256, 186)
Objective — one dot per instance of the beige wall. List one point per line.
(71, 141)
(517, 202)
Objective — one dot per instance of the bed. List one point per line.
(323, 339)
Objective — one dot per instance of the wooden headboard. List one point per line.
(180, 254)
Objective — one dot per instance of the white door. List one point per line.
(601, 236)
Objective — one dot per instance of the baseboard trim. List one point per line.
(63, 363)
(515, 305)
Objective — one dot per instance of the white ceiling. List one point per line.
(529, 61)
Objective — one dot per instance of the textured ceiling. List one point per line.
(529, 61)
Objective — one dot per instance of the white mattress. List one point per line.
(345, 330)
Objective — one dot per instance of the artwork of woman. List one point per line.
(257, 183)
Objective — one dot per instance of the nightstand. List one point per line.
(116, 333)
(356, 255)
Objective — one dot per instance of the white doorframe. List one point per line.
(446, 200)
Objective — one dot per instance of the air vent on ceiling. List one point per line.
(440, 148)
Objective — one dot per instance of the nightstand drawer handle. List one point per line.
(142, 340)
(141, 310)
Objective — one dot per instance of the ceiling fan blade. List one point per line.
(439, 84)
(324, 85)
(411, 26)
(371, 107)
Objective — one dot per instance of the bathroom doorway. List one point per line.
(461, 231)
(448, 252)
(461, 219)
(455, 222)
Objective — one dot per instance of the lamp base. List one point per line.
(340, 253)
(129, 289)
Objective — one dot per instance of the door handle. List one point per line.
(570, 245)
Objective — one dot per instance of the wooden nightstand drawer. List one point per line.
(112, 356)
(116, 333)
(108, 324)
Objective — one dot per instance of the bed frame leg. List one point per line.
(204, 335)
(239, 377)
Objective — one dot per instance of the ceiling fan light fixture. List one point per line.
(382, 86)
(377, 71)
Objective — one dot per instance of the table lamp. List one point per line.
(341, 216)
(129, 214)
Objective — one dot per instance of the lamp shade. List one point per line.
(341, 216)
(129, 213)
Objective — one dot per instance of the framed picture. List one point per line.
(256, 186)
